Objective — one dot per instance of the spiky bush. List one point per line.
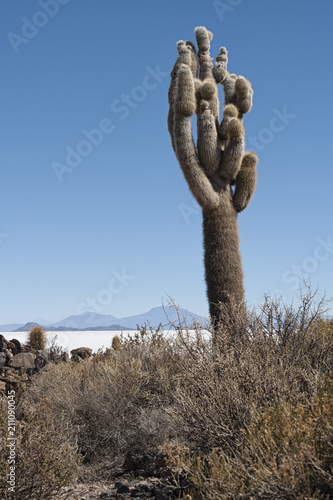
(37, 339)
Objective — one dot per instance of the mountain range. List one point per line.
(167, 316)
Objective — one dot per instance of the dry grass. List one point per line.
(253, 417)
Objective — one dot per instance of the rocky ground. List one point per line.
(137, 477)
(19, 363)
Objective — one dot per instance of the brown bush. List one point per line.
(214, 401)
(46, 453)
(281, 357)
(116, 401)
(287, 453)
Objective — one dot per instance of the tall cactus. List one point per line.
(215, 164)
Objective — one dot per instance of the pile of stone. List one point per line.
(18, 362)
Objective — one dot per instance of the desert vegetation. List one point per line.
(37, 339)
(251, 420)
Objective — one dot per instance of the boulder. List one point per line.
(41, 359)
(76, 358)
(17, 344)
(3, 359)
(25, 348)
(9, 354)
(64, 357)
(3, 342)
(12, 347)
(23, 360)
(83, 352)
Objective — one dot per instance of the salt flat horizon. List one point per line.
(70, 340)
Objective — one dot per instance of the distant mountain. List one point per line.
(161, 315)
(166, 316)
(10, 328)
(25, 327)
(86, 320)
(111, 328)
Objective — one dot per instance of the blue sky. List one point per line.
(117, 230)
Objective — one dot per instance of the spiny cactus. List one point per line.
(215, 164)
(37, 338)
(116, 343)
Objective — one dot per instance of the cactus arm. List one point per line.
(208, 142)
(184, 57)
(244, 95)
(183, 103)
(220, 71)
(203, 38)
(233, 153)
(197, 180)
(238, 91)
(246, 180)
(229, 112)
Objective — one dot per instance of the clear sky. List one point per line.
(113, 228)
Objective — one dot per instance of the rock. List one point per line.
(122, 488)
(2, 386)
(55, 358)
(107, 496)
(23, 360)
(76, 358)
(17, 344)
(138, 494)
(9, 354)
(3, 359)
(12, 347)
(41, 360)
(166, 493)
(143, 485)
(25, 348)
(3, 342)
(83, 352)
(132, 462)
(64, 357)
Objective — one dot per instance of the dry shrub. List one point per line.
(287, 453)
(256, 413)
(224, 400)
(116, 401)
(281, 357)
(46, 454)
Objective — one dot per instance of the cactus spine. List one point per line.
(37, 338)
(215, 164)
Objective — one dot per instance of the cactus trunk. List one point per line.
(223, 266)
